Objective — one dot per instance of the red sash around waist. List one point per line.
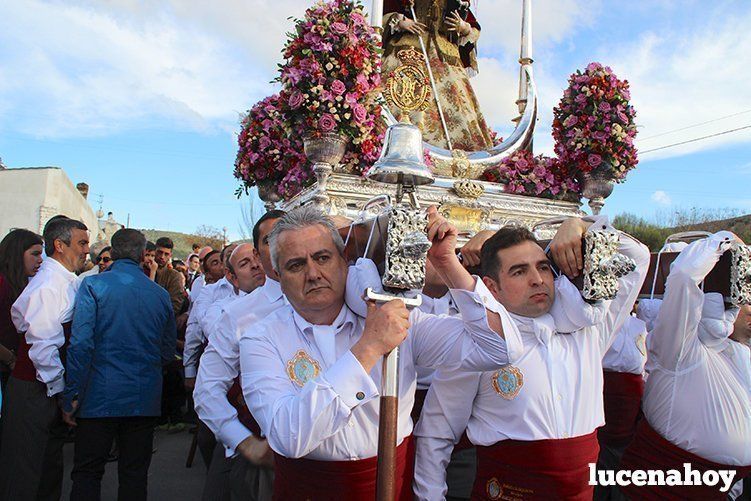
(310, 480)
(622, 395)
(650, 451)
(24, 368)
(539, 469)
(236, 398)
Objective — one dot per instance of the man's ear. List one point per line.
(492, 285)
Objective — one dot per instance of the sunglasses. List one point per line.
(105, 259)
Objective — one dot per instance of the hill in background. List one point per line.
(183, 241)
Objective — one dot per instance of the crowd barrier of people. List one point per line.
(267, 355)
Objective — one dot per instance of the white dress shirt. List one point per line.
(334, 415)
(209, 321)
(45, 304)
(435, 306)
(628, 353)
(698, 395)
(220, 363)
(194, 333)
(196, 288)
(559, 380)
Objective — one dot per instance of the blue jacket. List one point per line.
(123, 332)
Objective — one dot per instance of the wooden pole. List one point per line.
(387, 428)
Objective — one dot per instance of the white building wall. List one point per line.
(30, 196)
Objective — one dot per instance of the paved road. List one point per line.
(169, 479)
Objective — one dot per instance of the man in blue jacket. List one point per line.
(123, 332)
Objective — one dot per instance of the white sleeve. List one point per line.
(41, 311)
(445, 414)
(466, 342)
(220, 365)
(194, 336)
(674, 340)
(297, 421)
(629, 286)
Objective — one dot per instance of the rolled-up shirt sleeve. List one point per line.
(296, 421)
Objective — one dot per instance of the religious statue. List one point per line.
(447, 32)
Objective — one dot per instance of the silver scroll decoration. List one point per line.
(740, 275)
(407, 247)
(603, 265)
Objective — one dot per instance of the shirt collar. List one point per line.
(272, 289)
(344, 318)
(542, 327)
(54, 266)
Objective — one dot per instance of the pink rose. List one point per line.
(604, 106)
(295, 100)
(326, 123)
(339, 28)
(594, 160)
(359, 112)
(338, 87)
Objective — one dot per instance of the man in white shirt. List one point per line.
(534, 421)
(311, 371)
(623, 372)
(245, 274)
(697, 399)
(31, 460)
(218, 397)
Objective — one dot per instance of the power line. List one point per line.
(695, 125)
(695, 139)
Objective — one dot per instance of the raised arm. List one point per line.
(673, 341)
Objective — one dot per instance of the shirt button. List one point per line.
(360, 395)
(565, 435)
(559, 397)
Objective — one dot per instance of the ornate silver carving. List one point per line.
(407, 247)
(740, 275)
(603, 265)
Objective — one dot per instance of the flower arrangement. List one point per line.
(330, 80)
(526, 174)
(593, 125)
(266, 152)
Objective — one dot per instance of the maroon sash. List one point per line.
(310, 480)
(622, 395)
(236, 398)
(24, 368)
(650, 451)
(539, 469)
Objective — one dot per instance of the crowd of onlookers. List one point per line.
(122, 367)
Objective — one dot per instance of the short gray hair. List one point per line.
(128, 243)
(302, 217)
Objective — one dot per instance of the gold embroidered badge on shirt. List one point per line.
(493, 489)
(508, 381)
(302, 368)
(641, 344)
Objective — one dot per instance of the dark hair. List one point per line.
(128, 243)
(12, 249)
(209, 254)
(177, 262)
(224, 249)
(150, 246)
(99, 255)
(272, 214)
(508, 236)
(165, 243)
(60, 229)
(195, 246)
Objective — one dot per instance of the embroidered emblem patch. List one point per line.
(302, 368)
(493, 489)
(641, 344)
(508, 381)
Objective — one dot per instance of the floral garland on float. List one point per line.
(267, 156)
(594, 131)
(540, 176)
(330, 86)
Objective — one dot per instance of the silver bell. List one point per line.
(401, 159)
